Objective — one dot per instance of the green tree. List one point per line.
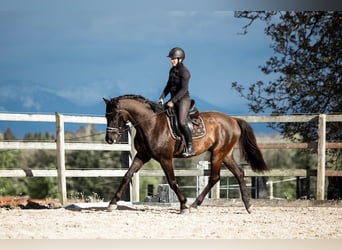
(307, 70)
(89, 188)
(8, 135)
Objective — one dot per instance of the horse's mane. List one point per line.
(153, 105)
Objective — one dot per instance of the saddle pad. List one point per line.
(198, 130)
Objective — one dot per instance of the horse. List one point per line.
(153, 139)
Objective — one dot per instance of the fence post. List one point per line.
(321, 156)
(135, 197)
(202, 180)
(215, 191)
(61, 159)
(270, 183)
(126, 162)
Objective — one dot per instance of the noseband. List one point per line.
(117, 131)
(114, 130)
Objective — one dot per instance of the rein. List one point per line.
(119, 131)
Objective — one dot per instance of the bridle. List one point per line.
(119, 131)
(114, 130)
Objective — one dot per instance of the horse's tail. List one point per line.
(249, 148)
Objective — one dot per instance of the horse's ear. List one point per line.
(106, 100)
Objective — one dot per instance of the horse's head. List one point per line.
(115, 121)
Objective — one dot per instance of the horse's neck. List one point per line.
(139, 114)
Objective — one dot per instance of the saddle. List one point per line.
(195, 123)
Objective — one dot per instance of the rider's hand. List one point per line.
(161, 101)
(170, 104)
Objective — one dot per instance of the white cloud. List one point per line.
(155, 26)
(91, 93)
(29, 102)
(22, 93)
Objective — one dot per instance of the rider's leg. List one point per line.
(183, 110)
(188, 140)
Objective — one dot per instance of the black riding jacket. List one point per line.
(178, 83)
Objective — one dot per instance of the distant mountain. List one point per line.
(23, 97)
(28, 97)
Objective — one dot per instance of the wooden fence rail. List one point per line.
(61, 146)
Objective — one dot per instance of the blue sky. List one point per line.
(82, 53)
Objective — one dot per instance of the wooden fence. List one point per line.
(61, 146)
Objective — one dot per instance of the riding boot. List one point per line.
(188, 141)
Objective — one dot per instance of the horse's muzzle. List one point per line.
(112, 138)
(112, 135)
(109, 140)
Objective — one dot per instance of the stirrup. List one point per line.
(187, 153)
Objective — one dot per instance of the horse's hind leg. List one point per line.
(239, 175)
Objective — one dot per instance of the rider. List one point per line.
(178, 87)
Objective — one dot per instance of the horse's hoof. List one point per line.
(194, 205)
(249, 209)
(185, 211)
(193, 209)
(112, 207)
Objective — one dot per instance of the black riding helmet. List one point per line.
(177, 53)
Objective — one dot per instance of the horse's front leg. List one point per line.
(136, 165)
(171, 178)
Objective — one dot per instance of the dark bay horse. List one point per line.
(153, 140)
